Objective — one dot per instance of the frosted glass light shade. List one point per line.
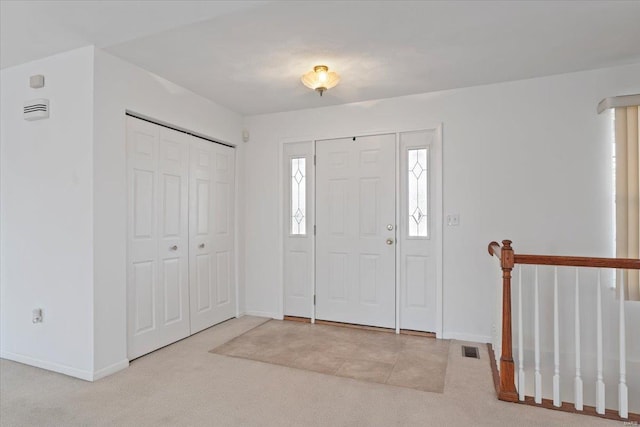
(320, 79)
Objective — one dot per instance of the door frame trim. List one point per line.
(397, 226)
(438, 213)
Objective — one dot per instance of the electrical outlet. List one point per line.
(453, 220)
(37, 315)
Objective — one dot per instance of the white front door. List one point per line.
(158, 275)
(356, 230)
(211, 235)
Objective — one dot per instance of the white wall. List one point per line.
(527, 160)
(46, 215)
(121, 86)
(63, 204)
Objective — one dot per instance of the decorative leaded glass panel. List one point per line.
(298, 196)
(418, 194)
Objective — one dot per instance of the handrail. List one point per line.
(507, 389)
(568, 261)
(578, 261)
(495, 249)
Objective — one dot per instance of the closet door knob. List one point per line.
(174, 248)
(201, 245)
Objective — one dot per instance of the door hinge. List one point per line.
(314, 300)
(314, 160)
(314, 230)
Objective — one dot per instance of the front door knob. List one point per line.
(389, 241)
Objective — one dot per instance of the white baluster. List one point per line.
(536, 321)
(521, 384)
(556, 342)
(600, 377)
(623, 393)
(577, 389)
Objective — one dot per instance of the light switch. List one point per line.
(453, 220)
(37, 315)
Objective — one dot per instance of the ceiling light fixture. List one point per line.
(320, 79)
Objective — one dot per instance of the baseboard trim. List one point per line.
(494, 369)
(49, 366)
(461, 336)
(301, 319)
(111, 369)
(610, 414)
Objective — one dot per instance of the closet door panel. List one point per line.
(224, 225)
(157, 270)
(142, 276)
(200, 204)
(173, 244)
(211, 234)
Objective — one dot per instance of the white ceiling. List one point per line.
(34, 29)
(249, 56)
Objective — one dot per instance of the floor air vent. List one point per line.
(468, 351)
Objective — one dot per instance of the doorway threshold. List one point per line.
(361, 327)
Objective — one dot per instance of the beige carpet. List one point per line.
(380, 357)
(185, 385)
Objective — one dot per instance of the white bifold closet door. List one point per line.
(180, 235)
(211, 225)
(158, 270)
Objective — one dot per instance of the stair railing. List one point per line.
(506, 388)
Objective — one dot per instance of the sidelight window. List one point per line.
(298, 196)
(417, 162)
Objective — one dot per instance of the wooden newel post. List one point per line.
(507, 372)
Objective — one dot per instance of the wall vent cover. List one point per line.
(468, 351)
(36, 109)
